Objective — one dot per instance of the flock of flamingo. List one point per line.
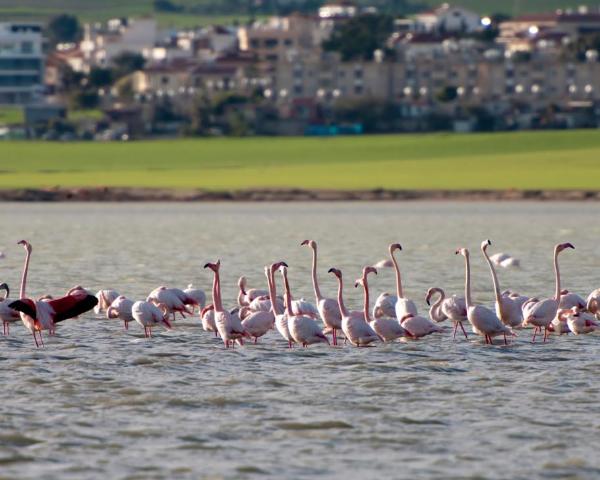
(300, 322)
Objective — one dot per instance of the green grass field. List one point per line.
(526, 160)
(89, 10)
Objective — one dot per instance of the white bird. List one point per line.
(7, 314)
(540, 314)
(259, 323)
(578, 321)
(304, 330)
(569, 300)
(453, 308)
(105, 298)
(505, 260)
(417, 326)
(508, 309)
(385, 263)
(148, 316)
(593, 303)
(170, 299)
(197, 295)
(207, 316)
(281, 316)
(404, 306)
(245, 297)
(385, 305)
(483, 320)
(229, 326)
(121, 308)
(356, 329)
(328, 308)
(387, 329)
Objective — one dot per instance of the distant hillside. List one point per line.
(202, 11)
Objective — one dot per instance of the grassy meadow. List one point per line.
(94, 10)
(523, 160)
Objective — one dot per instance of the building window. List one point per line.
(27, 47)
(288, 42)
(254, 43)
(271, 42)
(164, 80)
(358, 89)
(298, 90)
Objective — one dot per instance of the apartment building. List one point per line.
(21, 63)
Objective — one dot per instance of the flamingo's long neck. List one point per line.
(288, 294)
(24, 276)
(343, 310)
(399, 292)
(435, 308)
(468, 281)
(217, 292)
(557, 276)
(494, 276)
(314, 275)
(273, 292)
(366, 288)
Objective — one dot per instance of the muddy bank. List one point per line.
(286, 195)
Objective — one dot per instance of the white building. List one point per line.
(21, 63)
(101, 45)
(447, 18)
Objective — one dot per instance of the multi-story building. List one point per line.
(281, 36)
(21, 63)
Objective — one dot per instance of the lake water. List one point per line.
(99, 402)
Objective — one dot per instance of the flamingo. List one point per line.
(569, 300)
(260, 322)
(454, 308)
(207, 315)
(38, 315)
(403, 305)
(105, 298)
(245, 297)
(197, 295)
(593, 303)
(505, 260)
(385, 305)
(303, 329)
(579, 322)
(281, 315)
(483, 320)
(508, 309)
(229, 326)
(121, 308)
(148, 315)
(354, 325)
(7, 314)
(417, 326)
(171, 299)
(540, 314)
(328, 308)
(387, 329)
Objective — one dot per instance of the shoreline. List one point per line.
(110, 194)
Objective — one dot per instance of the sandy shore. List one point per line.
(286, 195)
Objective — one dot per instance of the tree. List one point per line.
(100, 77)
(126, 63)
(166, 6)
(360, 36)
(64, 29)
(84, 99)
(373, 115)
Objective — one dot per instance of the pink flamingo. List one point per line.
(38, 315)
(328, 308)
(7, 314)
(121, 308)
(454, 308)
(148, 315)
(387, 329)
(403, 305)
(540, 314)
(354, 326)
(303, 329)
(483, 320)
(229, 326)
(260, 322)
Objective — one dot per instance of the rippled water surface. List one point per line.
(99, 402)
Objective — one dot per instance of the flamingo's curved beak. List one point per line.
(305, 242)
